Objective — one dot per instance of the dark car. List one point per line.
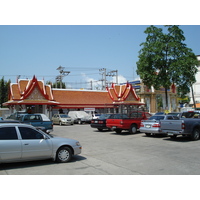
(9, 121)
(100, 123)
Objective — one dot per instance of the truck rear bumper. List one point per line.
(171, 133)
(113, 128)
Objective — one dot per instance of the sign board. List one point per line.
(89, 109)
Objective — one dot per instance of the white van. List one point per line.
(80, 117)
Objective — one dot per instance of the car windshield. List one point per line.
(118, 116)
(160, 113)
(156, 117)
(64, 116)
(104, 116)
(190, 115)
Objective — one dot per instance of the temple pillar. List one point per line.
(153, 104)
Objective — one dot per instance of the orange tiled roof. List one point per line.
(14, 92)
(36, 92)
(123, 93)
(22, 92)
(81, 97)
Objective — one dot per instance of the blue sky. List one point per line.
(82, 50)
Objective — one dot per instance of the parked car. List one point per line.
(16, 115)
(95, 116)
(175, 113)
(152, 125)
(187, 125)
(62, 119)
(120, 122)
(38, 120)
(159, 113)
(9, 121)
(190, 114)
(22, 142)
(100, 123)
(80, 117)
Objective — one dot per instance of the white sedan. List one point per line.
(21, 142)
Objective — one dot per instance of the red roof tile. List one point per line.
(25, 90)
(81, 97)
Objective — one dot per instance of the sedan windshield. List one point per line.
(104, 116)
(64, 116)
(156, 117)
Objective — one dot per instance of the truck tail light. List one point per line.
(100, 122)
(121, 122)
(183, 125)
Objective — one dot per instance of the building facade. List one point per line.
(33, 96)
(154, 100)
(196, 87)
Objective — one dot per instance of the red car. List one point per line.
(123, 122)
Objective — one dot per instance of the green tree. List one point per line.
(4, 91)
(165, 59)
(56, 85)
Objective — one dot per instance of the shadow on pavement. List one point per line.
(180, 139)
(28, 164)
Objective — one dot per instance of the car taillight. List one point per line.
(92, 121)
(157, 125)
(141, 125)
(100, 122)
(183, 125)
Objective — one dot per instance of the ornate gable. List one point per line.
(123, 93)
(36, 95)
(35, 90)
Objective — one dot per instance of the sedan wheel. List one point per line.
(64, 154)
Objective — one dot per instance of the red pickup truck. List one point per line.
(119, 122)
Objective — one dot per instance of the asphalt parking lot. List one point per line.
(108, 153)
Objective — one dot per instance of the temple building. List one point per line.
(155, 99)
(33, 96)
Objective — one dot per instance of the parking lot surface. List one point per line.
(108, 153)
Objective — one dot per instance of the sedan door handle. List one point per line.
(26, 144)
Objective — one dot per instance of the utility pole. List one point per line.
(103, 70)
(104, 75)
(62, 74)
(113, 73)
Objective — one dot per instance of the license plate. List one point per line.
(170, 134)
(147, 126)
(96, 122)
(114, 127)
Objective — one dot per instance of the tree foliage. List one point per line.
(165, 59)
(57, 85)
(4, 91)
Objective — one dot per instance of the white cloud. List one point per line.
(119, 79)
(97, 84)
(91, 82)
